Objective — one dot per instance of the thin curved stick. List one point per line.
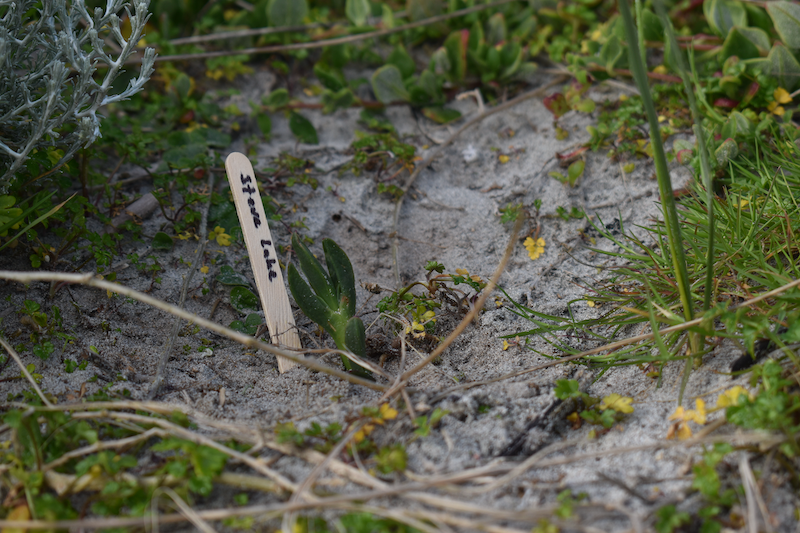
(14, 355)
(405, 376)
(250, 342)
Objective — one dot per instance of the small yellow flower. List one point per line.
(782, 96)
(661, 118)
(661, 69)
(204, 269)
(743, 203)
(387, 412)
(505, 345)
(731, 396)
(589, 303)
(222, 238)
(535, 248)
(776, 109)
(503, 158)
(463, 272)
(621, 404)
(363, 433)
(682, 417)
(623, 97)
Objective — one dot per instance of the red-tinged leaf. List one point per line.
(727, 103)
(573, 154)
(556, 104)
(751, 92)
(684, 156)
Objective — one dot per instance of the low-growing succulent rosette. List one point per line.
(329, 298)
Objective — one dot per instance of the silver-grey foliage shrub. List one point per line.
(50, 51)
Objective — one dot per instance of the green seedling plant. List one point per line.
(329, 298)
(605, 411)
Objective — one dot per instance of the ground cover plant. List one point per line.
(720, 264)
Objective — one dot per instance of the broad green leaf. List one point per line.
(612, 54)
(723, 15)
(303, 129)
(400, 58)
(341, 272)
(243, 299)
(511, 58)
(332, 101)
(786, 17)
(441, 115)
(249, 326)
(387, 83)
(496, 29)
(277, 98)
(431, 85)
(228, 276)
(651, 26)
(162, 241)
(781, 64)
(188, 156)
(264, 124)
(355, 339)
(319, 280)
(357, 11)
(309, 303)
(737, 126)
(287, 12)
(456, 46)
(575, 171)
(329, 77)
(726, 151)
(745, 43)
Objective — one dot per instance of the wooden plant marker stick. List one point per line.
(263, 257)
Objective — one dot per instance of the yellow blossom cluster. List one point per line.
(535, 247)
(219, 235)
(463, 272)
(781, 96)
(417, 328)
(385, 412)
(681, 417)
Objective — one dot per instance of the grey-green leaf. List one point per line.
(162, 241)
(781, 64)
(308, 302)
(303, 129)
(243, 299)
(319, 280)
(287, 12)
(228, 276)
(786, 17)
(387, 83)
(341, 272)
(357, 11)
(723, 15)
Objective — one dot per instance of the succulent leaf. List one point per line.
(319, 280)
(341, 273)
(312, 305)
(356, 342)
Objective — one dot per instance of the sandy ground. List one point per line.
(451, 216)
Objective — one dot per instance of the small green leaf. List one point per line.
(228, 276)
(264, 124)
(745, 43)
(786, 17)
(303, 129)
(402, 60)
(781, 64)
(441, 115)
(162, 241)
(342, 276)
(723, 15)
(243, 299)
(422, 9)
(357, 11)
(329, 77)
(651, 26)
(575, 171)
(318, 279)
(277, 98)
(287, 12)
(387, 83)
(457, 54)
(308, 302)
